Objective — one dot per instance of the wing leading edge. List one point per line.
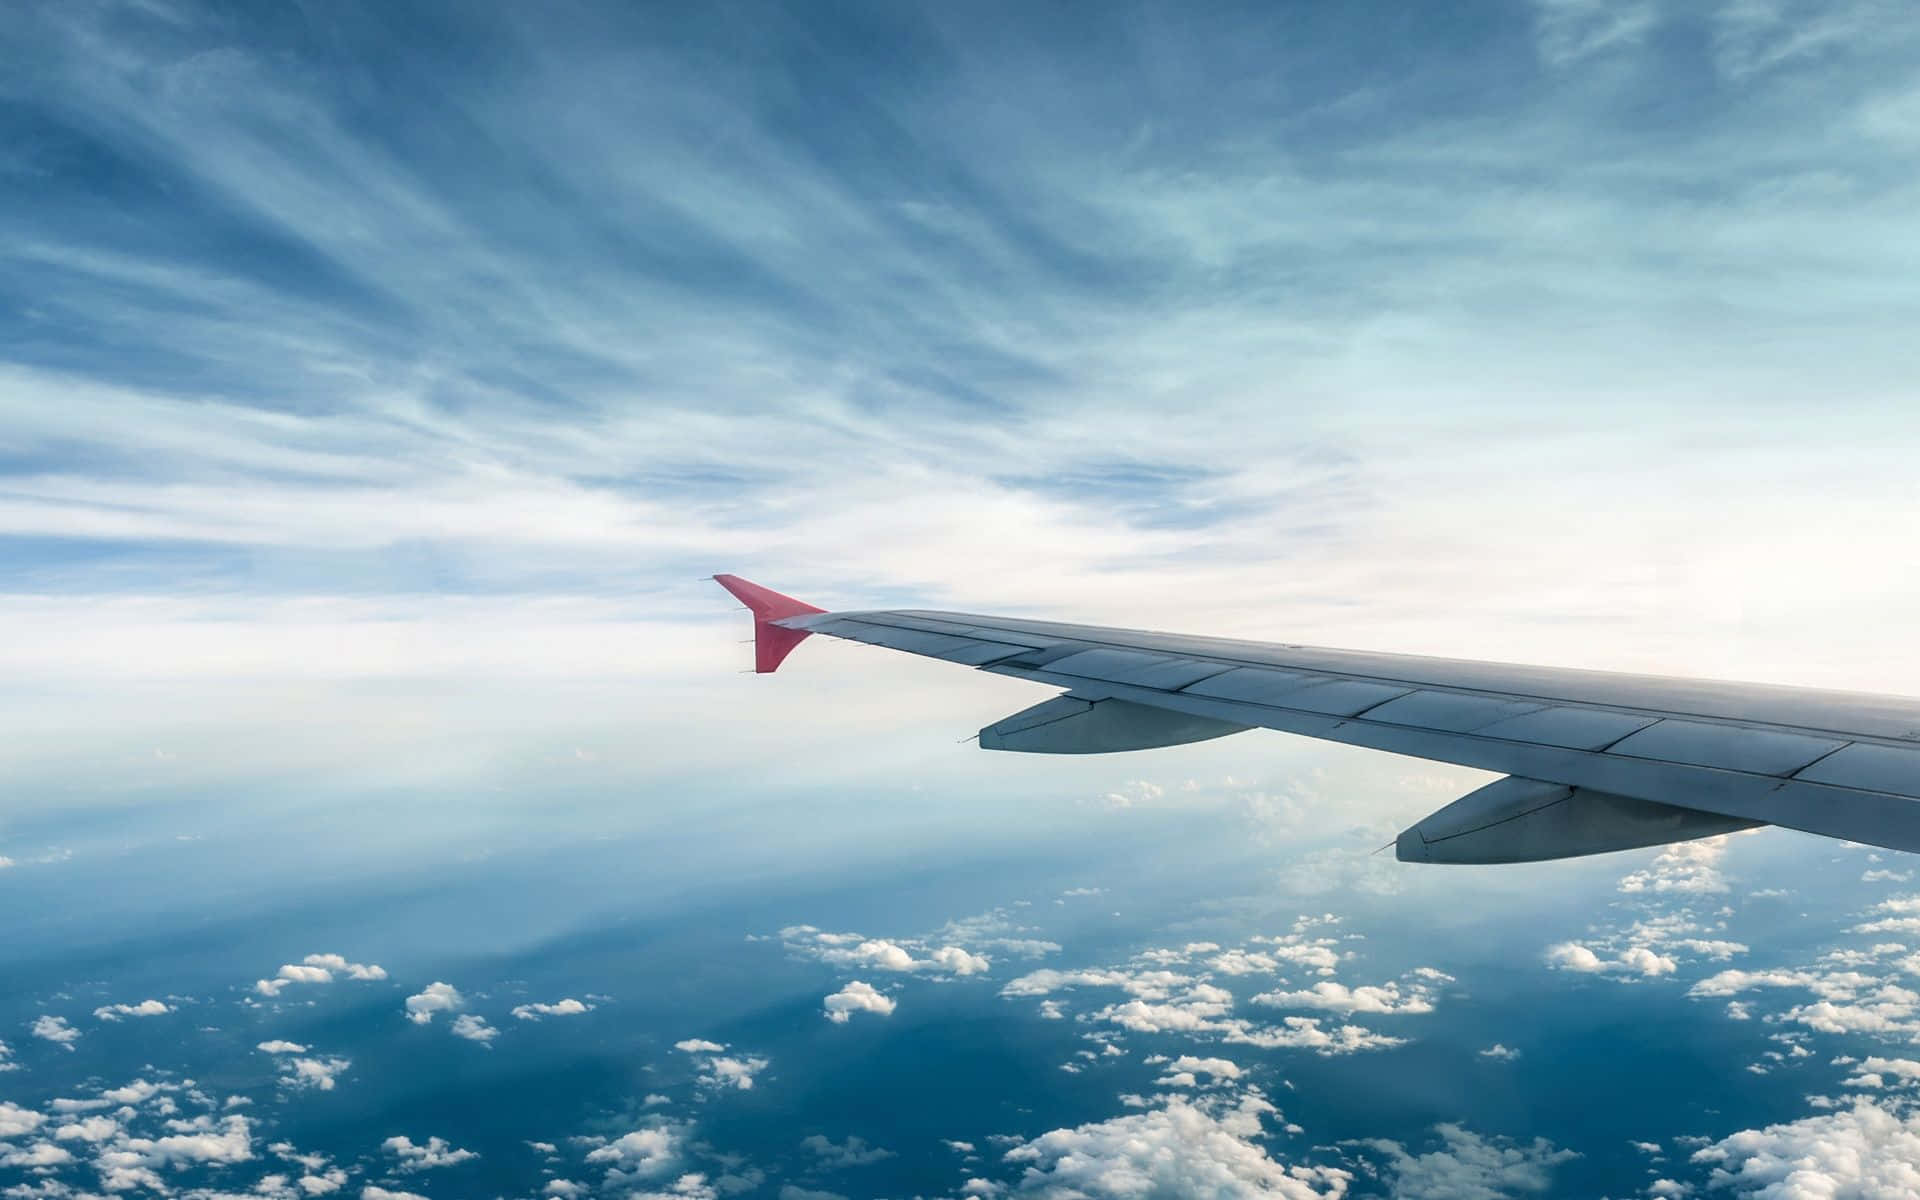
(1596, 761)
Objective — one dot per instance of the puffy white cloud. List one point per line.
(138, 1092)
(857, 997)
(854, 1152)
(1336, 997)
(1874, 1070)
(473, 1028)
(1042, 982)
(434, 998)
(882, 954)
(6, 1058)
(281, 1046)
(202, 1140)
(88, 1129)
(1867, 1150)
(36, 1154)
(374, 1191)
(146, 1008)
(1636, 960)
(1306, 1033)
(959, 962)
(317, 968)
(730, 1071)
(646, 1152)
(1183, 1148)
(561, 1008)
(1732, 983)
(415, 1156)
(1185, 1070)
(352, 970)
(56, 1030)
(1501, 1052)
(699, 1046)
(317, 1074)
(1467, 1165)
(1685, 867)
(15, 1120)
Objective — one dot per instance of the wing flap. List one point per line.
(1530, 820)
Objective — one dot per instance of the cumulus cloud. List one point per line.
(854, 1152)
(317, 968)
(434, 1153)
(1306, 1033)
(434, 998)
(56, 1030)
(1180, 1148)
(473, 1028)
(1465, 1164)
(1635, 960)
(1185, 1071)
(1500, 1052)
(1685, 867)
(1336, 997)
(1864, 1150)
(857, 997)
(719, 1070)
(6, 1059)
(561, 1008)
(644, 1153)
(317, 1074)
(882, 954)
(146, 1008)
(730, 1071)
(15, 1120)
(281, 1046)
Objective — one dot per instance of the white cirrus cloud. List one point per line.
(857, 997)
(436, 997)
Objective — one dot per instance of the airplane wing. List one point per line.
(1594, 761)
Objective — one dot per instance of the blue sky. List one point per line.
(378, 382)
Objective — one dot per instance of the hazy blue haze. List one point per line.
(378, 382)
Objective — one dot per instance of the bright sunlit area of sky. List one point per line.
(386, 811)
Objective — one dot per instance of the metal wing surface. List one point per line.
(1594, 760)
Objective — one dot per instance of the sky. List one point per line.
(380, 382)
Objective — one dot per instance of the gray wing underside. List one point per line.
(1596, 760)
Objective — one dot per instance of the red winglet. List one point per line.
(771, 643)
